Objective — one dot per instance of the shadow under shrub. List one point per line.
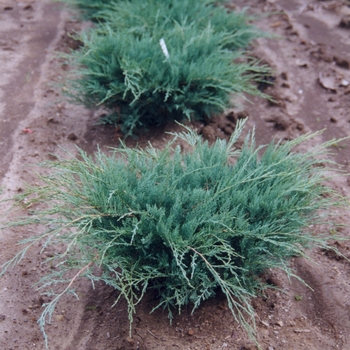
(183, 224)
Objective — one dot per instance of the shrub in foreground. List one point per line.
(183, 224)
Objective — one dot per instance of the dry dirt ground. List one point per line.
(310, 56)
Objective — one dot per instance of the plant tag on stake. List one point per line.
(164, 48)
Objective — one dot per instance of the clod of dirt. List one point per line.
(234, 117)
(302, 63)
(276, 99)
(321, 54)
(333, 255)
(2, 318)
(70, 40)
(59, 318)
(343, 249)
(190, 332)
(284, 75)
(328, 82)
(221, 126)
(272, 280)
(129, 340)
(345, 22)
(266, 324)
(280, 121)
(342, 62)
(209, 133)
(266, 82)
(72, 137)
(8, 8)
(280, 323)
(52, 120)
(227, 127)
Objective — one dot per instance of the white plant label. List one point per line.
(164, 48)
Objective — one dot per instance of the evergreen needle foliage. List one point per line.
(123, 67)
(131, 76)
(95, 9)
(157, 16)
(91, 8)
(183, 224)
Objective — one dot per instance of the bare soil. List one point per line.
(310, 57)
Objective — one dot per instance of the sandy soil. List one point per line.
(310, 56)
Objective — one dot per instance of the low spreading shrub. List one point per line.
(156, 17)
(135, 80)
(148, 62)
(94, 9)
(182, 224)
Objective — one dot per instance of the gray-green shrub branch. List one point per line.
(185, 225)
(123, 68)
(50, 307)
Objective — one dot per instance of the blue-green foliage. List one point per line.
(96, 9)
(155, 17)
(122, 66)
(184, 224)
(91, 8)
(132, 77)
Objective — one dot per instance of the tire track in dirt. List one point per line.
(311, 43)
(28, 42)
(325, 306)
(28, 102)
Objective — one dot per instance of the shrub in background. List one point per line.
(92, 9)
(183, 224)
(123, 67)
(140, 86)
(156, 16)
